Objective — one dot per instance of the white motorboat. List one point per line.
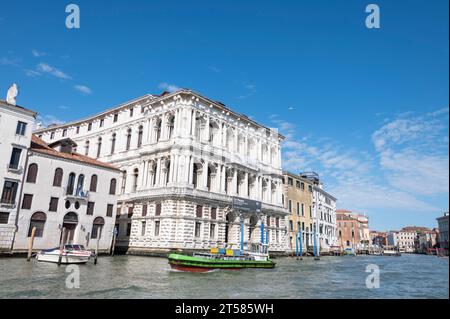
(71, 254)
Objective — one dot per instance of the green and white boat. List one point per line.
(218, 258)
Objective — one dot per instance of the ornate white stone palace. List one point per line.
(183, 159)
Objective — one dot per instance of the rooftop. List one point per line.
(39, 146)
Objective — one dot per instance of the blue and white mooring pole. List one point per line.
(300, 238)
(242, 235)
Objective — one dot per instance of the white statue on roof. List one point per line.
(13, 91)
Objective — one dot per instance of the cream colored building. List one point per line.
(297, 200)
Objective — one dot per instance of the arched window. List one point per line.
(171, 125)
(124, 181)
(135, 179)
(99, 146)
(113, 143)
(140, 134)
(70, 184)
(112, 186)
(80, 184)
(93, 186)
(32, 173)
(86, 148)
(37, 220)
(57, 178)
(195, 175)
(158, 130)
(128, 139)
(97, 226)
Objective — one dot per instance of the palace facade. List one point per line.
(185, 159)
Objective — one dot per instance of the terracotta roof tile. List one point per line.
(38, 145)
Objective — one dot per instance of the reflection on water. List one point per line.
(408, 276)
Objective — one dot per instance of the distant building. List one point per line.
(16, 125)
(426, 241)
(392, 238)
(378, 238)
(353, 230)
(297, 199)
(408, 238)
(443, 231)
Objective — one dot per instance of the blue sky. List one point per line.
(365, 108)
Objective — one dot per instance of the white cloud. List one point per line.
(37, 53)
(45, 68)
(413, 152)
(169, 87)
(7, 61)
(83, 89)
(409, 167)
(31, 73)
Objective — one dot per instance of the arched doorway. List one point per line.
(70, 223)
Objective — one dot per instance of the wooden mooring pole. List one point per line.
(30, 243)
(96, 246)
(61, 245)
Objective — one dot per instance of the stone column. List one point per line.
(171, 167)
(234, 183)
(194, 122)
(223, 181)
(205, 175)
(158, 172)
(246, 193)
(191, 170)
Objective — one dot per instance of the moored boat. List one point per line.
(71, 254)
(223, 259)
(349, 252)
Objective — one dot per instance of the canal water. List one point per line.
(408, 276)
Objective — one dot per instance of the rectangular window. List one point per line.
(78, 129)
(102, 121)
(213, 212)
(310, 188)
(199, 212)
(212, 231)
(9, 192)
(53, 204)
(298, 208)
(21, 128)
(64, 133)
(90, 208)
(130, 211)
(297, 184)
(310, 211)
(157, 224)
(143, 228)
(128, 229)
(144, 210)
(15, 158)
(290, 181)
(109, 210)
(158, 209)
(303, 209)
(302, 186)
(291, 225)
(116, 116)
(131, 112)
(26, 202)
(290, 206)
(197, 229)
(4, 217)
(52, 135)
